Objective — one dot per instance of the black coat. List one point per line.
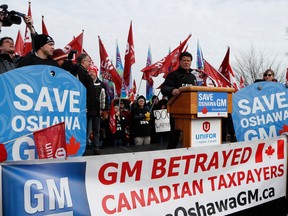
(7, 63)
(177, 79)
(32, 59)
(87, 81)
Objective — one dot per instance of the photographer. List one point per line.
(9, 61)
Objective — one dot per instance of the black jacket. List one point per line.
(176, 79)
(32, 59)
(7, 63)
(87, 81)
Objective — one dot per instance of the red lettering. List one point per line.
(165, 193)
(236, 155)
(173, 165)
(214, 162)
(104, 204)
(200, 162)
(212, 180)
(123, 203)
(158, 169)
(187, 159)
(112, 175)
(126, 169)
(226, 157)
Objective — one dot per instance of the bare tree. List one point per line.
(252, 63)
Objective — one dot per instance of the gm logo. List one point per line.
(206, 126)
(45, 189)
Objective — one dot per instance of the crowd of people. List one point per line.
(135, 123)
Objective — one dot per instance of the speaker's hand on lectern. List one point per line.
(175, 92)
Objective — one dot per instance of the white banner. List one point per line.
(213, 180)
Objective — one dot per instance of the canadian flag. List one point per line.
(269, 150)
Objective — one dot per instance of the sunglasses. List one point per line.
(265, 75)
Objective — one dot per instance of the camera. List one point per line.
(71, 54)
(10, 17)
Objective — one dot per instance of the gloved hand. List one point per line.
(147, 116)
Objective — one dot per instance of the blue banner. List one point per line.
(260, 111)
(44, 189)
(212, 104)
(36, 97)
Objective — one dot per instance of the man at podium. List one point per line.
(183, 76)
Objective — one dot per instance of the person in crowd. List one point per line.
(182, 76)
(119, 138)
(100, 92)
(8, 60)
(269, 75)
(141, 122)
(155, 137)
(59, 56)
(42, 53)
(92, 104)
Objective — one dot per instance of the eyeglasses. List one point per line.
(265, 75)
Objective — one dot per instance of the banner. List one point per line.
(260, 110)
(162, 120)
(212, 180)
(36, 97)
(50, 142)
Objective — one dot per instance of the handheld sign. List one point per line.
(36, 97)
(260, 111)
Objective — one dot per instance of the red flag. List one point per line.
(212, 74)
(242, 85)
(226, 70)
(44, 29)
(19, 44)
(75, 44)
(129, 57)
(27, 38)
(107, 68)
(112, 119)
(132, 91)
(168, 63)
(51, 142)
(3, 153)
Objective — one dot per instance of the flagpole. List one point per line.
(139, 87)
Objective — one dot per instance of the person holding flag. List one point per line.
(182, 76)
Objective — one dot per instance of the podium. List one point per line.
(185, 108)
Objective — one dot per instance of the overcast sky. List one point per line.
(162, 24)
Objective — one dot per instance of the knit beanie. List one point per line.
(40, 40)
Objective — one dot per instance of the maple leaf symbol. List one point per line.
(285, 129)
(204, 110)
(72, 147)
(270, 151)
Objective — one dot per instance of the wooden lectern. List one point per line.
(184, 108)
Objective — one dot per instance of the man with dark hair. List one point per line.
(7, 59)
(42, 53)
(182, 76)
(84, 63)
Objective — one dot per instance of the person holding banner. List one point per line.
(183, 76)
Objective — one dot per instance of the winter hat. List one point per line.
(141, 97)
(40, 40)
(59, 54)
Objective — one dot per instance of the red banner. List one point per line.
(50, 142)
